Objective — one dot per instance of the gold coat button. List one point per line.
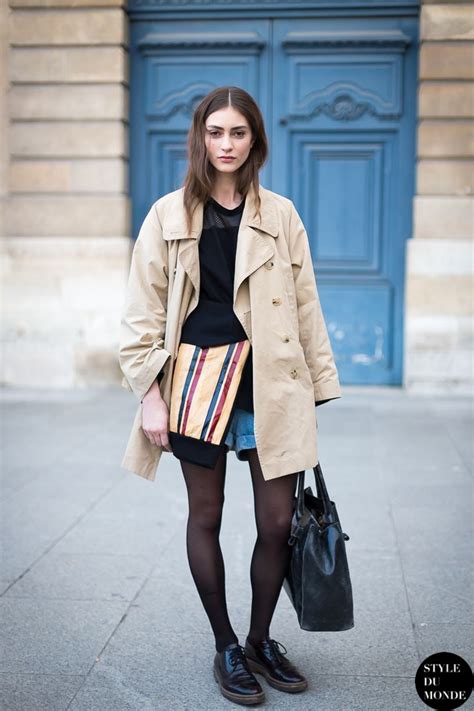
(294, 373)
(285, 338)
(276, 301)
(269, 264)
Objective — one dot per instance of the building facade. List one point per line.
(368, 107)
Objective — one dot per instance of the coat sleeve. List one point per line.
(312, 327)
(142, 327)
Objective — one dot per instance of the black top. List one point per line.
(213, 321)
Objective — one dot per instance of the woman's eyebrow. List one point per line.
(233, 127)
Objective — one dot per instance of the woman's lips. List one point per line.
(226, 159)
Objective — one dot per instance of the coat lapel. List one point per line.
(254, 239)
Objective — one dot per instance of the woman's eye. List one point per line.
(240, 134)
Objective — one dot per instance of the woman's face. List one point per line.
(227, 135)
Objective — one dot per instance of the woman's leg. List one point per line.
(273, 500)
(206, 497)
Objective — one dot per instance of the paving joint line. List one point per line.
(124, 616)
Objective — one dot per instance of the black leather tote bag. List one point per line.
(317, 580)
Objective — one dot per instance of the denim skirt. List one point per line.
(240, 435)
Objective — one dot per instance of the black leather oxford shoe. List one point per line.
(236, 681)
(266, 658)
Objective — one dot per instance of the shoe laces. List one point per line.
(276, 649)
(237, 657)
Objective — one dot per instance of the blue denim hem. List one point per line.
(240, 435)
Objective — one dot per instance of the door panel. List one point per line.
(343, 120)
(340, 187)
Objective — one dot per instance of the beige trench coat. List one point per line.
(275, 299)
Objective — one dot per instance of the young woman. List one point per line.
(223, 260)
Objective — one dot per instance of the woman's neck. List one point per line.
(225, 193)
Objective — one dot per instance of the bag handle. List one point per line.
(321, 491)
(300, 495)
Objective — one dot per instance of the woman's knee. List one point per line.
(274, 527)
(207, 514)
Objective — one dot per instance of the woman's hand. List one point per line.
(155, 418)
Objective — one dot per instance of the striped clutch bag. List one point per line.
(203, 391)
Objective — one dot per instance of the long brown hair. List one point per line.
(200, 177)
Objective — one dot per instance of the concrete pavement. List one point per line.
(99, 610)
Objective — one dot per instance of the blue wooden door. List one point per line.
(338, 97)
(174, 65)
(344, 126)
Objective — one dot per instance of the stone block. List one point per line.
(426, 333)
(445, 139)
(441, 99)
(52, 288)
(83, 289)
(447, 22)
(63, 253)
(34, 363)
(42, 273)
(97, 366)
(66, 27)
(40, 176)
(66, 3)
(69, 102)
(446, 60)
(43, 176)
(443, 217)
(54, 320)
(438, 371)
(26, 292)
(439, 256)
(103, 175)
(445, 177)
(4, 121)
(68, 64)
(440, 295)
(69, 216)
(59, 363)
(63, 139)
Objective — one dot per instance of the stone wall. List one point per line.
(3, 113)
(66, 214)
(439, 284)
(67, 246)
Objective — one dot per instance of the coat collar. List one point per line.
(174, 226)
(255, 243)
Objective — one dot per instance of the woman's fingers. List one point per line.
(159, 439)
(154, 437)
(155, 422)
(165, 442)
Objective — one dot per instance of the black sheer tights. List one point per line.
(273, 509)
(273, 502)
(206, 497)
